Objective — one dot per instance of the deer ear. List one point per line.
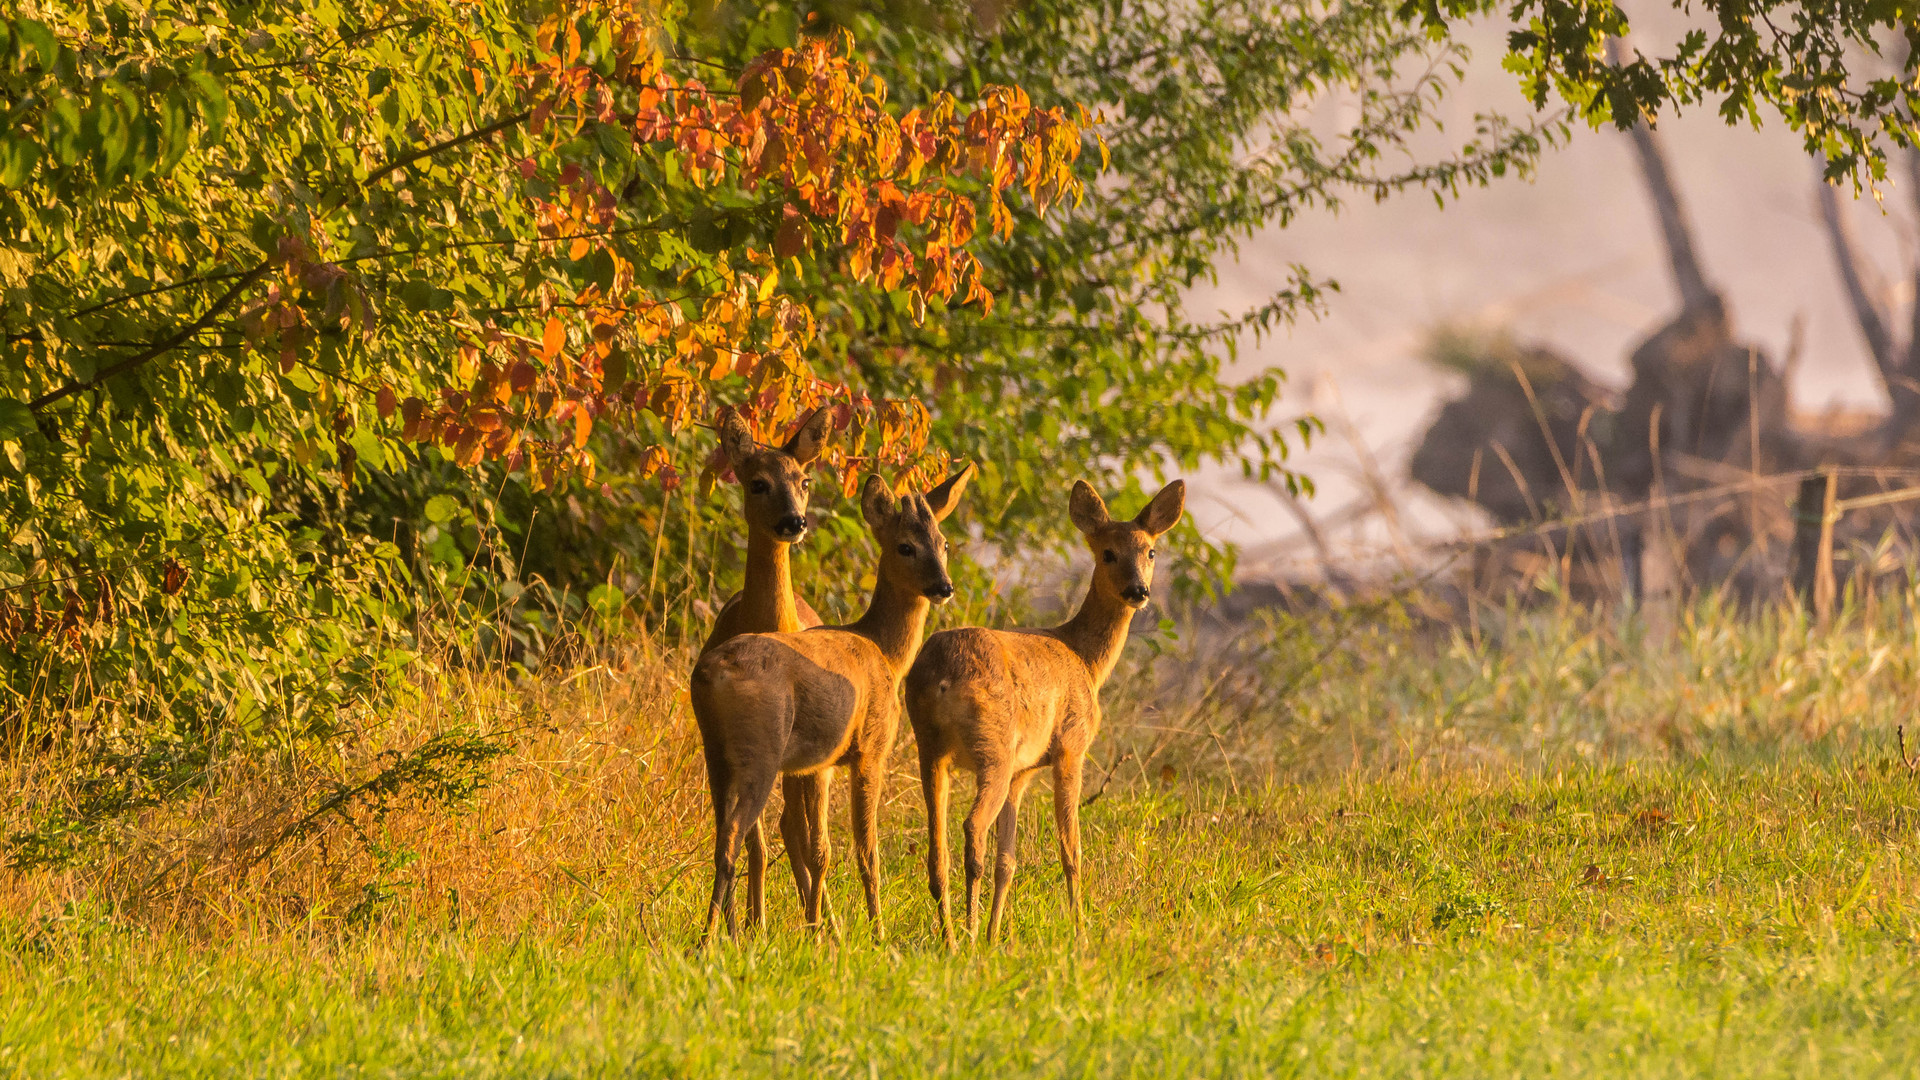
(1085, 507)
(877, 504)
(944, 497)
(1163, 512)
(736, 438)
(811, 438)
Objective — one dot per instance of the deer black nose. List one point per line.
(1134, 594)
(941, 593)
(790, 527)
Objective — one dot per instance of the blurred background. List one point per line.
(1572, 260)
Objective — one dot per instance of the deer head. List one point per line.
(775, 478)
(1123, 550)
(913, 554)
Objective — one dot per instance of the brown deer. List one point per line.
(775, 486)
(802, 704)
(1005, 704)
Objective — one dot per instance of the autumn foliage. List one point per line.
(808, 135)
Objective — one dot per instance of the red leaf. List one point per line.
(791, 240)
(386, 401)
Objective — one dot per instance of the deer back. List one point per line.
(988, 694)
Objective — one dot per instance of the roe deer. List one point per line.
(775, 488)
(1004, 704)
(800, 704)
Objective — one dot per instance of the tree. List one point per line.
(252, 252)
(1800, 62)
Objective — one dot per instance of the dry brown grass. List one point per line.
(598, 819)
(601, 801)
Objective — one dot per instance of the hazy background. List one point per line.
(1571, 259)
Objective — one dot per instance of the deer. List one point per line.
(801, 704)
(775, 490)
(1007, 704)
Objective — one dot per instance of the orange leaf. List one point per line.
(791, 240)
(553, 339)
(582, 427)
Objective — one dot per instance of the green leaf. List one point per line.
(40, 39)
(15, 418)
(213, 102)
(366, 443)
(441, 508)
(17, 160)
(65, 129)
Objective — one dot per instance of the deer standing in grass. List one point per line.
(802, 704)
(1005, 704)
(775, 486)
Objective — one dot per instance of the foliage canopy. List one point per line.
(330, 328)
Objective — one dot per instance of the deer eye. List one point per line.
(758, 487)
(1109, 556)
(1150, 556)
(907, 550)
(806, 483)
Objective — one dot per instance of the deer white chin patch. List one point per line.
(938, 601)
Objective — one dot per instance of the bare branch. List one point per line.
(1674, 227)
(1868, 311)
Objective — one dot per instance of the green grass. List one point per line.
(1659, 920)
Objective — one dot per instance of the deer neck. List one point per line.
(895, 621)
(1097, 632)
(766, 597)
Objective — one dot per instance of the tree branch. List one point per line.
(426, 152)
(157, 348)
(1867, 308)
(1674, 227)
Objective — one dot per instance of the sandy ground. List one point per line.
(1571, 259)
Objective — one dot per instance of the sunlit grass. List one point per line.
(1664, 920)
(1357, 847)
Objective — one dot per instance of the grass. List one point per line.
(1666, 921)
(1573, 848)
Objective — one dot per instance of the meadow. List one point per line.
(1349, 844)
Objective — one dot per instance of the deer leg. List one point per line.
(797, 795)
(748, 798)
(1066, 825)
(720, 787)
(820, 850)
(869, 778)
(935, 777)
(1004, 864)
(756, 846)
(989, 796)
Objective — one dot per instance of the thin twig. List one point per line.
(158, 348)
